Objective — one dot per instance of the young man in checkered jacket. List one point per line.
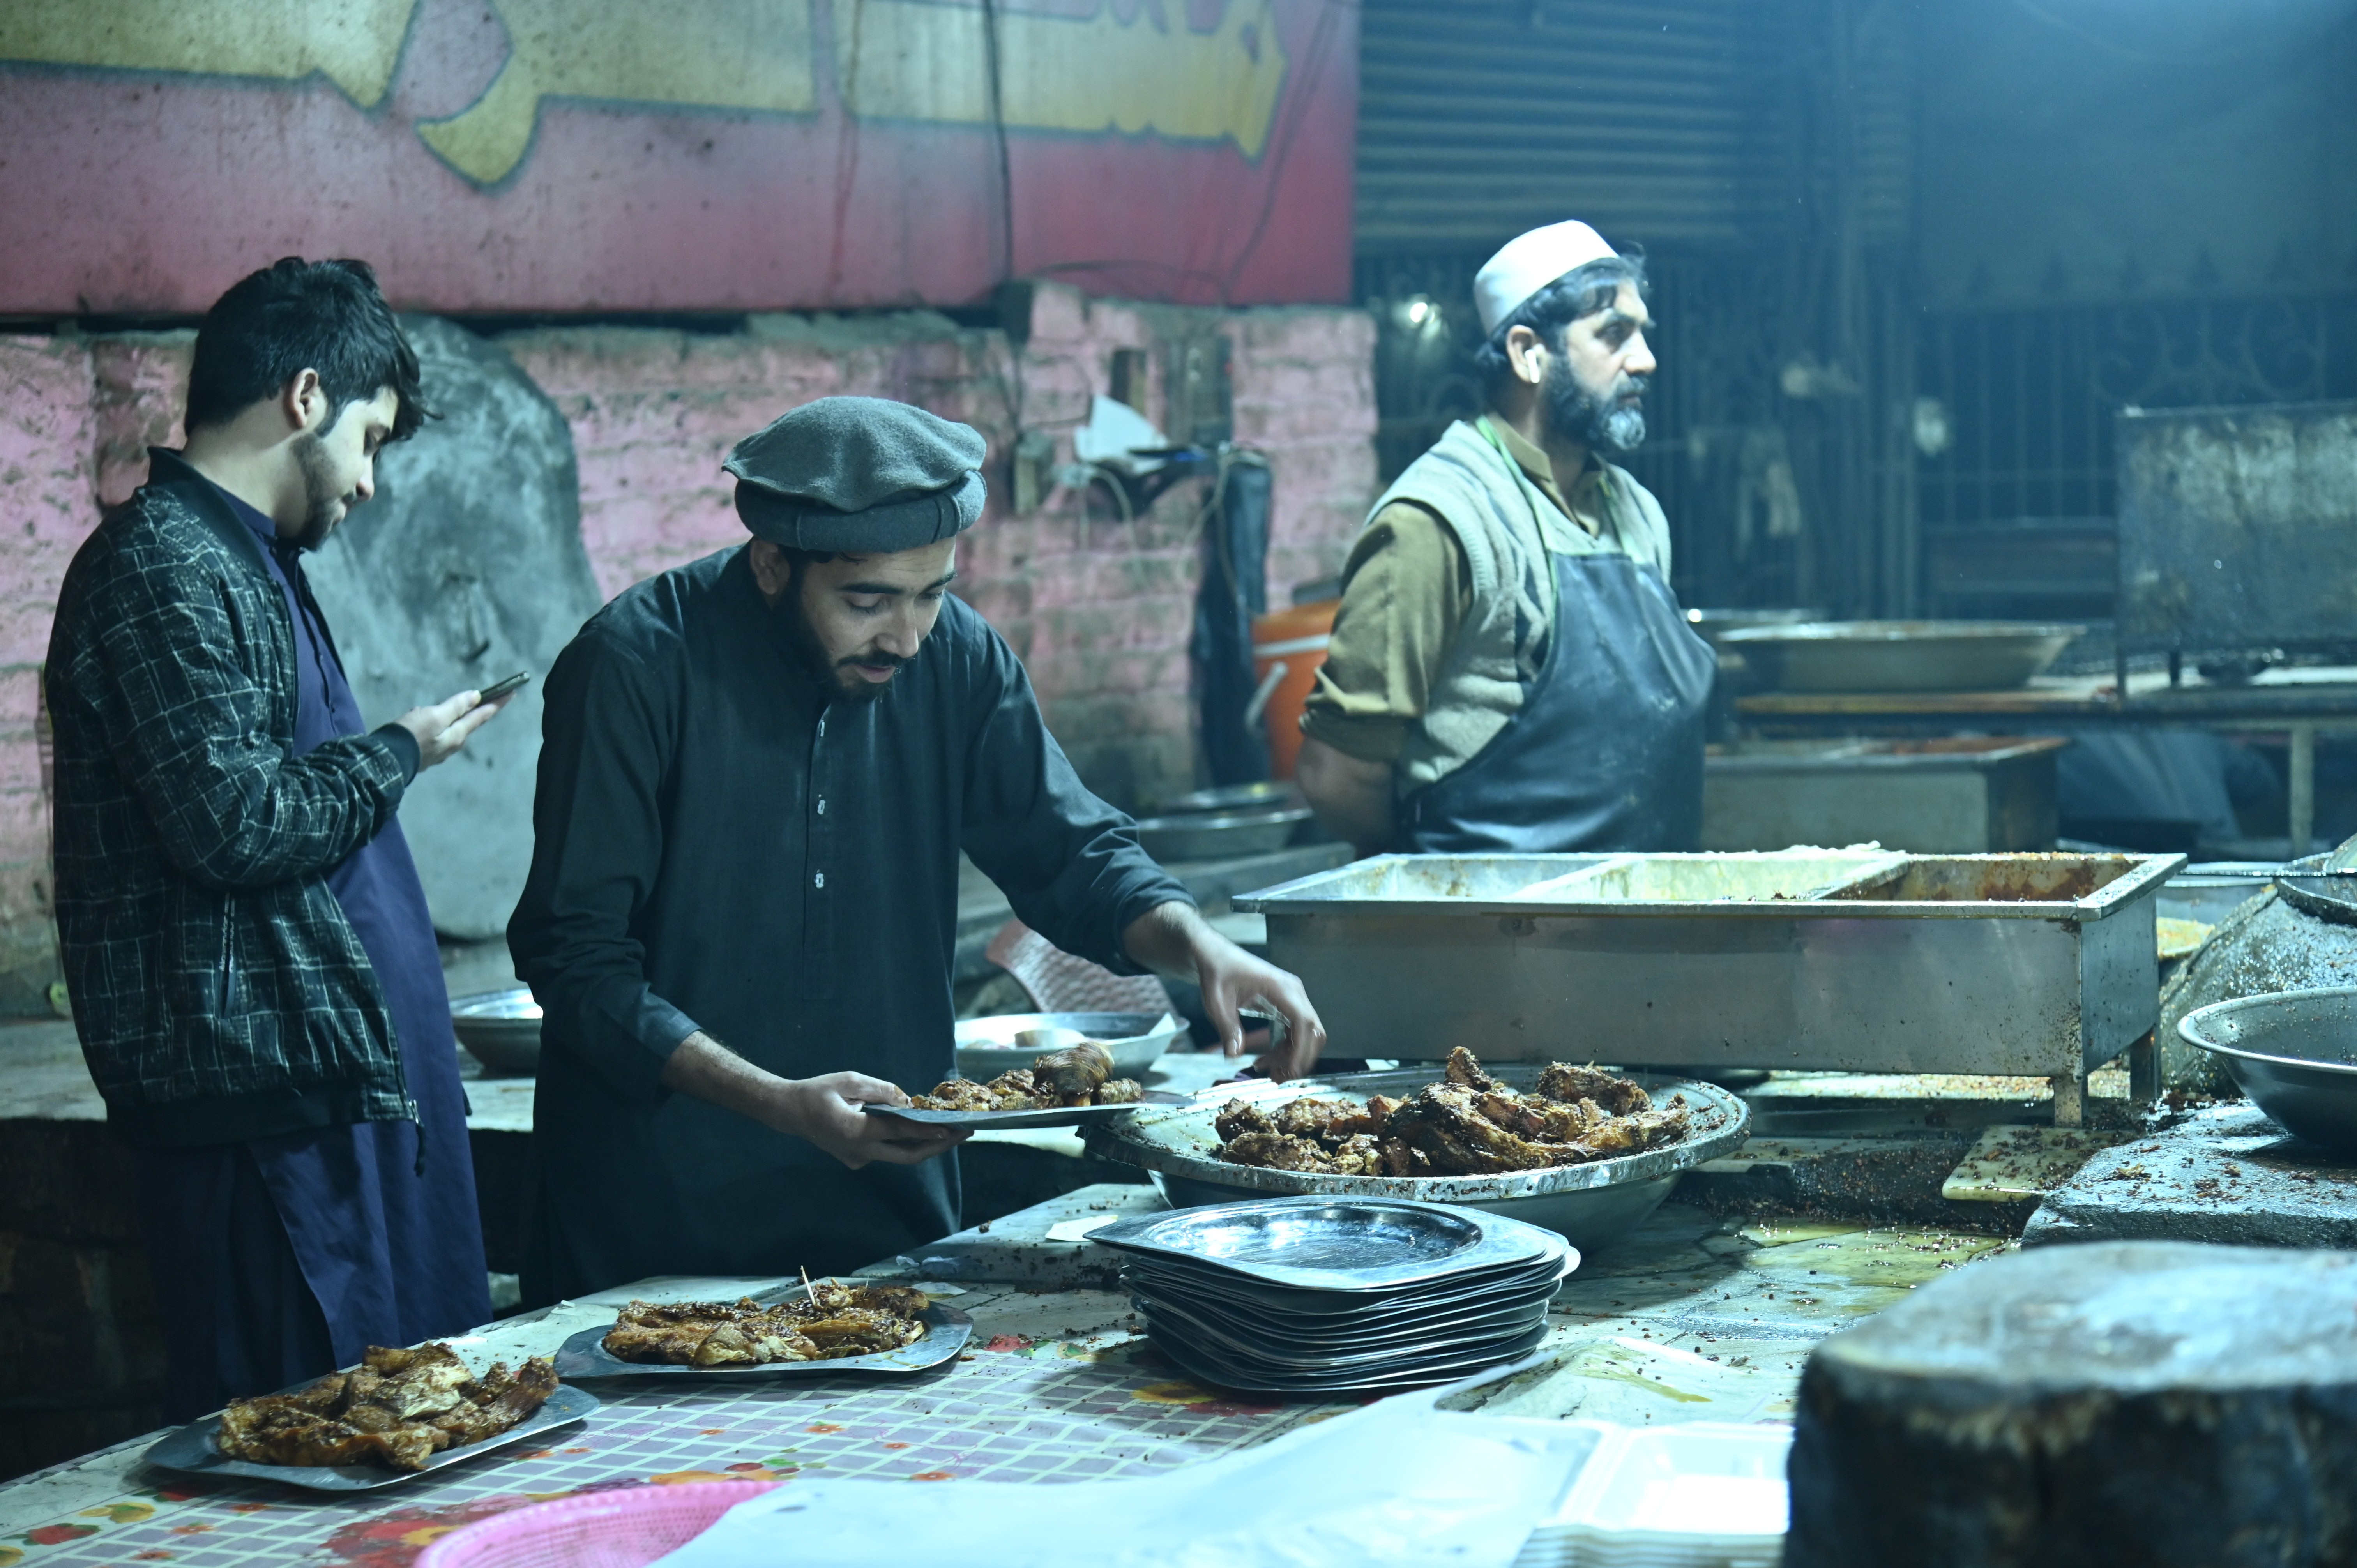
(254, 971)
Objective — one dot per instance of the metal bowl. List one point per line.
(2295, 1054)
(986, 1048)
(1715, 624)
(1267, 793)
(500, 1030)
(2209, 891)
(1591, 1205)
(1900, 655)
(1220, 836)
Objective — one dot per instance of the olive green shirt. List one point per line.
(1406, 591)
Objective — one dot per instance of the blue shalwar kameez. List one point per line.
(285, 1257)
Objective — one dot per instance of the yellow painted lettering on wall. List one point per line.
(702, 54)
(353, 43)
(902, 59)
(910, 60)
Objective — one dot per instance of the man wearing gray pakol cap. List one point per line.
(1508, 670)
(741, 921)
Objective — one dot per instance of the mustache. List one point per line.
(1631, 387)
(876, 659)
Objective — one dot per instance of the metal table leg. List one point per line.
(2301, 806)
(2143, 1072)
(2069, 1098)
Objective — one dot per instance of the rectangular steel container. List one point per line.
(1959, 795)
(2031, 964)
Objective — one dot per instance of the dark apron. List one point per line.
(1606, 753)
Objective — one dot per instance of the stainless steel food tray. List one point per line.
(2039, 964)
(190, 1449)
(946, 1332)
(1591, 1205)
(1345, 1242)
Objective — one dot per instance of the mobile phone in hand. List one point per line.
(497, 689)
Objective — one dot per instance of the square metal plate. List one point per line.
(190, 1450)
(1337, 1244)
(946, 1332)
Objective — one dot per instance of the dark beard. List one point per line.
(321, 493)
(828, 678)
(1600, 424)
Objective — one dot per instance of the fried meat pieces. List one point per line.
(398, 1408)
(833, 1321)
(1467, 1124)
(1079, 1076)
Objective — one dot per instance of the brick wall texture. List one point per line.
(1099, 605)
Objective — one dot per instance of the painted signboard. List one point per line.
(676, 154)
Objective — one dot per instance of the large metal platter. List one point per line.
(190, 1450)
(946, 1332)
(2295, 1054)
(1901, 656)
(1592, 1205)
(1335, 1244)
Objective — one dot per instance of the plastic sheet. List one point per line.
(1397, 1485)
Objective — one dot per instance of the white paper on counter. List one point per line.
(1397, 1485)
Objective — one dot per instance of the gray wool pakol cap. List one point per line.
(859, 475)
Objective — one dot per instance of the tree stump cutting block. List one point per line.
(2132, 1403)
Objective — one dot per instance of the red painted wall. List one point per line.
(153, 151)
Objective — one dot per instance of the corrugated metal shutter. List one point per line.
(1481, 118)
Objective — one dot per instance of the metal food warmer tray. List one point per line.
(2039, 965)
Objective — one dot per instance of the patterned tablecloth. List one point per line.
(1695, 1317)
(1056, 1387)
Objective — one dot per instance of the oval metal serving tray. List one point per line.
(1592, 1204)
(190, 1450)
(946, 1332)
(1350, 1243)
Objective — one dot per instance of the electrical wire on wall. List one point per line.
(994, 96)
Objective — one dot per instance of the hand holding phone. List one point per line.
(497, 689)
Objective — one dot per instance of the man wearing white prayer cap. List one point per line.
(1509, 670)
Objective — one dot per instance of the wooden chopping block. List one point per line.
(2125, 1402)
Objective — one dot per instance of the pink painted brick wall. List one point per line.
(1099, 609)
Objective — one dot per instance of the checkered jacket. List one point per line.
(219, 992)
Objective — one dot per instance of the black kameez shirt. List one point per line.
(719, 848)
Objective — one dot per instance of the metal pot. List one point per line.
(500, 1030)
(2295, 1054)
(1220, 836)
(1258, 796)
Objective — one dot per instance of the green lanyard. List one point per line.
(1532, 493)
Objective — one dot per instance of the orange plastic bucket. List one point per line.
(1288, 647)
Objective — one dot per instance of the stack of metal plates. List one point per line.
(1324, 1296)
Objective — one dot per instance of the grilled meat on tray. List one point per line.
(1081, 1075)
(399, 1408)
(833, 1321)
(1467, 1124)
